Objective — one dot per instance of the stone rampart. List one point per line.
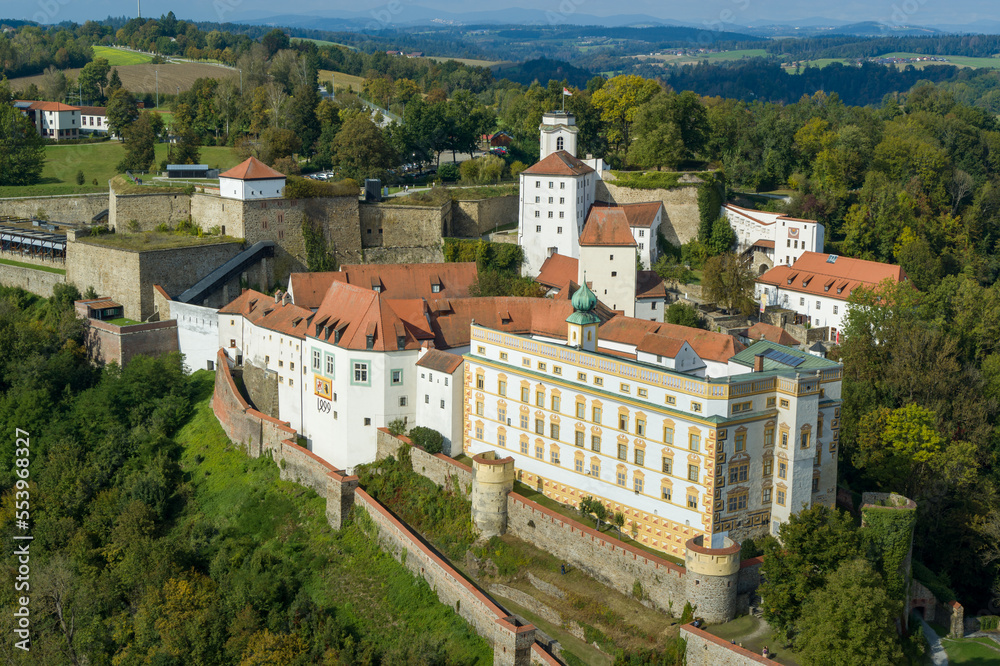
(612, 562)
(77, 209)
(704, 649)
(512, 644)
(681, 217)
(144, 212)
(262, 387)
(36, 281)
(403, 232)
(106, 342)
(472, 219)
(437, 467)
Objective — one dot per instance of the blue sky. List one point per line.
(736, 12)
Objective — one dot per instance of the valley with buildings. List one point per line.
(441, 368)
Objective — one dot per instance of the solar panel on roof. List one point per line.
(784, 358)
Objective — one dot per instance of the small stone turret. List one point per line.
(711, 579)
(493, 479)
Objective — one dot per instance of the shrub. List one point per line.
(683, 315)
(428, 439)
(80, 180)
(397, 426)
(304, 188)
(688, 613)
(95, 182)
(449, 172)
(989, 623)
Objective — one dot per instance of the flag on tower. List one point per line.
(567, 92)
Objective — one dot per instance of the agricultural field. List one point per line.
(959, 61)
(471, 62)
(98, 161)
(320, 42)
(341, 80)
(120, 57)
(694, 58)
(142, 78)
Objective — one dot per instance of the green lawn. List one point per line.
(37, 267)
(118, 57)
(972, 651)
(962, 61)
(753, 634)
(320, 42)
(123, 321)
(154, 240)
(98, 161)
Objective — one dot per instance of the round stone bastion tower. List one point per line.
(712, 578)
(493, 479)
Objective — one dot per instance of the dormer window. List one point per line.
(377, 288)
(369, 342)
(336, 335)
(435, 288)
(400, 342)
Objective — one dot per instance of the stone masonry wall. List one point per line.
(144, 212)
(437, 467)
(129, 276)
(704, 649)
(262, 387)
(608, 560)
(472, 219)
(402, 229)
(511, 644)
(80, 208)
(29, 279)
(680, 204)
(106, 342)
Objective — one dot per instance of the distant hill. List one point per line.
(543, 70)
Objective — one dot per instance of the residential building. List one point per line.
(608, 258)
(251, 180)
(772, 238)
(818, 285)
(680, 455)
(439, 396)
(53, 120)
(93, 119)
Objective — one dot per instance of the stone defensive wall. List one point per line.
(704, 649)
(36, 281)
(129, 275)
(680, 204)
(74, 208)
(107, 342)
(437, 467)
(610, 561)
(471, 219)
(513, 643)
(144, 212)
(404, 228)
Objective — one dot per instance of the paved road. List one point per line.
(938, 656)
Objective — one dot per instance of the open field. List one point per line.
(472, 62)
(142, 78)
(320, 42)
(36, 267)
(699, 57)
(960, 61)
(119, 57)
(341, 80)
(98, 160)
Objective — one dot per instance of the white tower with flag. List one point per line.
(558, 132)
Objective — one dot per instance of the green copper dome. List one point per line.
(584, 299)
(584, 303)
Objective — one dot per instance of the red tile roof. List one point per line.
(360, 314)
(764, 243)
(440, 361)
(250, 304)
(762, 331)
(49, 106)
(308, 289)
(708, 345)
(756, 216)
(642, 214)
(251, 169)
(261, 310)
(557, 270)
(813, 273)
(607, 226)
(559, 163)
(649, 285)
(93, 110)
(412, 280)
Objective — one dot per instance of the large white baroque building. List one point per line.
(728, 454)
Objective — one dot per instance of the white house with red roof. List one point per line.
(251, 180)
(818, 285)
(780, 238)
(53, 120)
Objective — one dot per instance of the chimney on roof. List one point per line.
(277, 295)
(287, 298)
(758, 363)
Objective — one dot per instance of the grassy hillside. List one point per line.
(119, 57)
(98, 160)
(341, 80)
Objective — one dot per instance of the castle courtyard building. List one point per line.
(680, 455)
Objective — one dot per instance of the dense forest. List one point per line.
(156, 542)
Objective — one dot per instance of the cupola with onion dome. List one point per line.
(583, 323)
